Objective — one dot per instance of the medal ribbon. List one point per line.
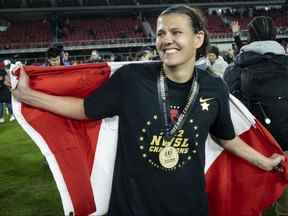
(164, 103)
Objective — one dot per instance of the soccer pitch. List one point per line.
(27, 187)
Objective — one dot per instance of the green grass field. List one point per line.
(26, 184)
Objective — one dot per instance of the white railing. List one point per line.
(103, 42)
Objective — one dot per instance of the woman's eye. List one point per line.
(159, 34)
(177, 32)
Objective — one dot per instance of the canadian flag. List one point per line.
(81, 154)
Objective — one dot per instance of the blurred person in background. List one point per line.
(5, 95)
(54, 57)
(144, 55)
(215, 62)
(95, 57)
(228, 55)
(66, 60)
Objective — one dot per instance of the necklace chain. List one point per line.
(164, 103)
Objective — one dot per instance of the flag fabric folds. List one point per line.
(234, 186)
(81, 154)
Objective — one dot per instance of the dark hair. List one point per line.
(53, 52)
(197, 22)
(261, 28)
(213, 49)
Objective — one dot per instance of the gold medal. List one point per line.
(168, 157)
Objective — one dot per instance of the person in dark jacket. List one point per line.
(5, 95)
(261, 38)
(261, 45)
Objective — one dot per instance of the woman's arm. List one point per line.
(243, 150)
(70, 107)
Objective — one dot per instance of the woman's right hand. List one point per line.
(22, 85)
(71, 107)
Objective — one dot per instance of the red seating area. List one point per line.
(103, 28)
(279, 21)
(216, 25)
(26, 32)
(279, 16)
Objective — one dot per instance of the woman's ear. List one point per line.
(199, 39)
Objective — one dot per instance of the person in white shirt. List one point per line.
(215, 62)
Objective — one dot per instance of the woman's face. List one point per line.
(176, 42)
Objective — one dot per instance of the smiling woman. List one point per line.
(178, 40)
(181, 31)
(166, 110)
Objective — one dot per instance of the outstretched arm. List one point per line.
(235, 27)
(243, 150)
(70, 107)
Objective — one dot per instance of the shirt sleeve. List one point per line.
(223, 127)
(105, 101)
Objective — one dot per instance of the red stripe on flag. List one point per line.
(72, 142)
(235, 187)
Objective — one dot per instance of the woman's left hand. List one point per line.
(275, 162)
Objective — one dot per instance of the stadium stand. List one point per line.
(103, 28)
(25, 32)
(116, 24)
(99, 28)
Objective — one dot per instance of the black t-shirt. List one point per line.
(146, 182)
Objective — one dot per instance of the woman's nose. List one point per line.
(167, 39)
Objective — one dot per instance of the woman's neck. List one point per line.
(179, 74)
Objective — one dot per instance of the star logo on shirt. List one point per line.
(204, 100)
(204, 104)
